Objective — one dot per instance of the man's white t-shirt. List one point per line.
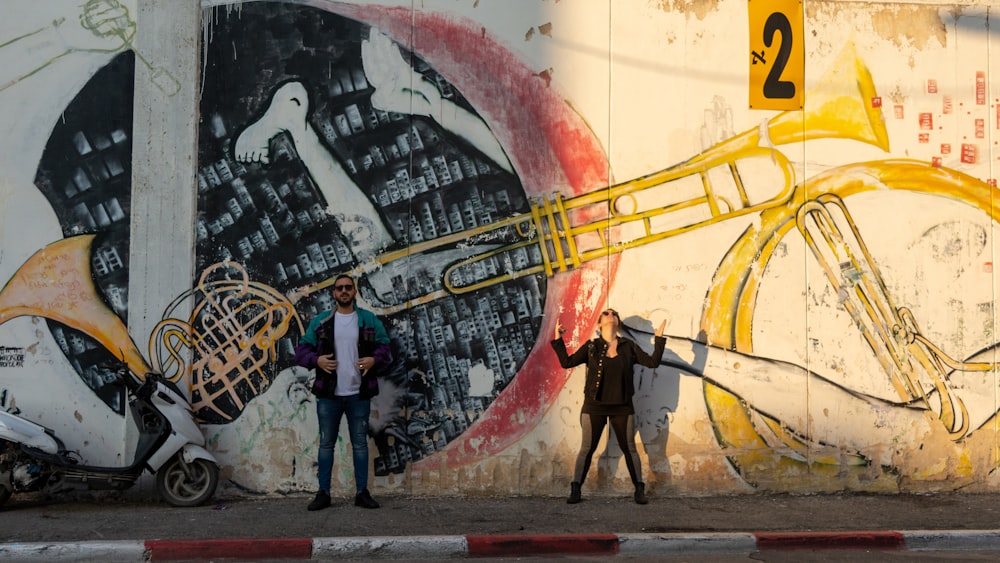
(346, 347)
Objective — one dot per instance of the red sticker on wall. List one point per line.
(926, 121)
(968, 153)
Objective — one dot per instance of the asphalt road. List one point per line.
(25, 519)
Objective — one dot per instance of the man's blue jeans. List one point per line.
(329, 413)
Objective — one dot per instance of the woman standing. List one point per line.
(610, 359)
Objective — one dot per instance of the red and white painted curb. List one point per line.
(475, 546)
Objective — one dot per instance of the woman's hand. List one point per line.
(559, 330)
(659, 331)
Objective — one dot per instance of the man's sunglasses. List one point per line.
(344, 287)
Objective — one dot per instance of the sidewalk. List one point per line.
(448, 527)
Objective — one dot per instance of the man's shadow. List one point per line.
(657, 396)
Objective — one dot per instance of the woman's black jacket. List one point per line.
(593, 353)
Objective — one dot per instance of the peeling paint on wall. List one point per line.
(698, 8)
(910, 26)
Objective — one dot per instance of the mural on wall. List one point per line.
(763, 432)
(831, 311)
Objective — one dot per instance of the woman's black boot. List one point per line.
(640, 493)
(574, 493)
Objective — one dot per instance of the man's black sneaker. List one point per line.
(321, 501)
(365, 500)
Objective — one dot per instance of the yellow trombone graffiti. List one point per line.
(567, 232)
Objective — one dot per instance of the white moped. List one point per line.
(170, 445)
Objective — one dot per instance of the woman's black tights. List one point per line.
(624, 427)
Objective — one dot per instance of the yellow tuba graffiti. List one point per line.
(232, 331)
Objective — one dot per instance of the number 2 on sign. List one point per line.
(774, 86)
(776, 54)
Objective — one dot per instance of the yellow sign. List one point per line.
(777, 54)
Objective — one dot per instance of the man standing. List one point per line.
(347, 347)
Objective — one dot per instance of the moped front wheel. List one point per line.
(187, 484)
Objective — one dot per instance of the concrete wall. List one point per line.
(181, 182)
